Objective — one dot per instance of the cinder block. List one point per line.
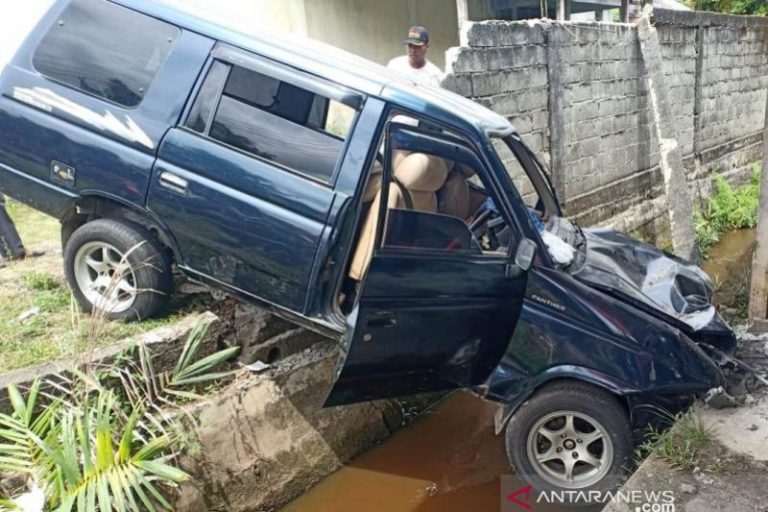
(466, 60)
(460, 84)
(482, 35)
(488, 84)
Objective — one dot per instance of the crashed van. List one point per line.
(410, 224)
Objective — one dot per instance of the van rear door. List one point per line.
(245, 183)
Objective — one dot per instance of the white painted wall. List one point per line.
(18, 18)
(251, 15)
(371, 28)
(375, 29)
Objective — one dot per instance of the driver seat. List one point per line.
(416, 179)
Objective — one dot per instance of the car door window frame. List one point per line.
(231, 56)
(486, 179)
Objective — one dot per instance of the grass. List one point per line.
(682, 445)
(728, 209)
(57, 329)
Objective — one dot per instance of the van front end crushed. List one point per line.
(569, 330)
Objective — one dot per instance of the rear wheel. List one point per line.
(570, 436)
(117, 268)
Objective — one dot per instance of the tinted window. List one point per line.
(273, 120)
(106, 50)
(203, 109)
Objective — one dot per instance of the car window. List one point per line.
(439, 204)
(516, 171)
(94, 48)
(272, 119)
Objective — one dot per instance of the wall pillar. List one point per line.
(554, 35)
(679, 205)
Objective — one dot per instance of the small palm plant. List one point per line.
(105, 441)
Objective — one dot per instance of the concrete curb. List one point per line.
(165, 342)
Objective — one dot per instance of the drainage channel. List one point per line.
(449, 460)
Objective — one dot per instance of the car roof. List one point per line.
(337, 65)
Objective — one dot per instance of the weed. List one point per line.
(728, 209)
(681, 445)
(40, 282)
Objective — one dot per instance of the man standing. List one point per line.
(10, 242)
(415, 64)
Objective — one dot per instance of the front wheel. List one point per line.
(570, 436)
(118, 269)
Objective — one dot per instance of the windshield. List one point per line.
(528, 174)
(564, 239)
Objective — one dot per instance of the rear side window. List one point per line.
(105, 50)
(272, 119)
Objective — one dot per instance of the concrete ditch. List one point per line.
(263, 439)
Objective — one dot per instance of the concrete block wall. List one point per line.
(733, 84)
(607, 135)
(578, 94)
(504, 67)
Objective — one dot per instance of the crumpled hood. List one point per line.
(654, 279)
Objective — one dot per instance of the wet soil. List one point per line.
(449, 460)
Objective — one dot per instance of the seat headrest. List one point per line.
(422, 173)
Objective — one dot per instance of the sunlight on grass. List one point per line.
(38, 320)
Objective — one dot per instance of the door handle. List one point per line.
(383, 320)
(173, 182)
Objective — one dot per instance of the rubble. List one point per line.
(688, 489)
(718, 398)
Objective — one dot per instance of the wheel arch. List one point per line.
(559, 374)
(96, 206)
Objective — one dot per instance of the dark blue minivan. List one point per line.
(412, 225)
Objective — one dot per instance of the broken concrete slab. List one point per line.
(735, 484)
(733, 428)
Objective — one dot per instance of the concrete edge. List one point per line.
(169, 338)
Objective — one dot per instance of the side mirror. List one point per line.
(526, 250)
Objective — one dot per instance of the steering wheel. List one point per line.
(486, 226)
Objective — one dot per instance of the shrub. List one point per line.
(728, 209)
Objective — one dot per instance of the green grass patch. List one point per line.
(682, 445)
(728, 209)
(35, 228)
(39, 321)
(40, 282)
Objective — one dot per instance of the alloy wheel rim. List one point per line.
(570, 450)
(105, 277)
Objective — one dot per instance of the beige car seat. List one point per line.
(417, 178)
(455, 198)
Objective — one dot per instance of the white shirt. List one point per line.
(428, 74)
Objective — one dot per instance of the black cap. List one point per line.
(418, 36)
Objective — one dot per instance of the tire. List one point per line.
(598, 440)
(118, 269)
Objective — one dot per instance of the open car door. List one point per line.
(435, 311)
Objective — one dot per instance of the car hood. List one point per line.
(653, 280)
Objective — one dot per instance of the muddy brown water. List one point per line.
(449, 460)
(729, 266)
